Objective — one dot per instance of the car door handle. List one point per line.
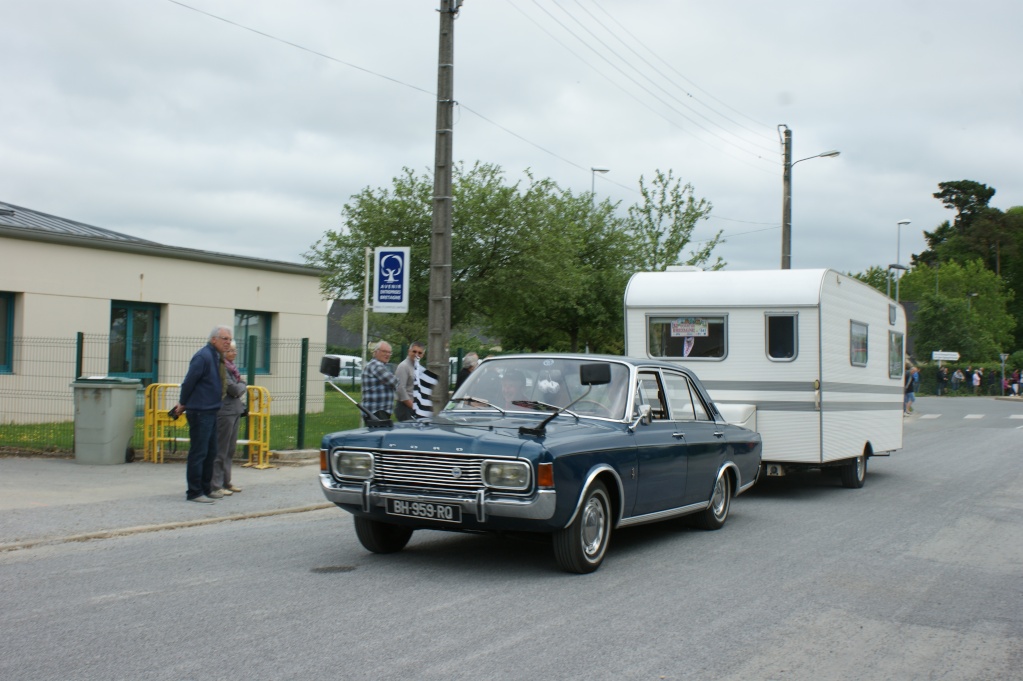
(719, 433)
(680, 436)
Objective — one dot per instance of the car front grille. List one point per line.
(441, 472)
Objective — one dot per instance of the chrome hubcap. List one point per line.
(594, 520)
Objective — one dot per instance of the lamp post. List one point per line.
(786, 196)
(969, 299)
(894, 266)
(898, 241)
(593, 178)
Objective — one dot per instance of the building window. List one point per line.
(782, 337)
(858, 344)
(134, 340)
(687, 337)
(246, 325)
(895, 355)
(6, 332)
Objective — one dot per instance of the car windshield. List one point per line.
(542, 384)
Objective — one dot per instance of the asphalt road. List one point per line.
(919, 575)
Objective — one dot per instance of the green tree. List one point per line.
(535, 264)
(662, 224)
(975, 232)
(959, 307)
(874, 276)
(1012, 268)
(967, 198)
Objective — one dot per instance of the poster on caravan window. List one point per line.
(390, 278)
(689, 326)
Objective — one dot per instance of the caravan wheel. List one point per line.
(854, 473)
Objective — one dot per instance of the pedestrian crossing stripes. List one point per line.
(926, 417)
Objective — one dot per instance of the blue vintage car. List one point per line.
(569, 445)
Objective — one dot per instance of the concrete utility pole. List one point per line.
(786, 199)
(439, 332)
(786, 192)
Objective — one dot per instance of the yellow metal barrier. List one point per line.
(258, 443)
(163, 433)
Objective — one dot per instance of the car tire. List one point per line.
(581, 546)
(715, 515)
(854, 473)
(381, 537)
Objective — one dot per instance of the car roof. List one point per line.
(638, 362)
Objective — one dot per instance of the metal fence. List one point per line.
(37, 399)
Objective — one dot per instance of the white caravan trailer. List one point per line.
(819, 354)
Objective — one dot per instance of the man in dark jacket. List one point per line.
(201, 398)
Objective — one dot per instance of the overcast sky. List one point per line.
(247, 131)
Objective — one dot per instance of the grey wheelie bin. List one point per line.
(104, 419)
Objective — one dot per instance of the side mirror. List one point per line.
(643, 415)
(330, 366)
(595, 374)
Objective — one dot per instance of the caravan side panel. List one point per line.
(861, 403)
(855, 406)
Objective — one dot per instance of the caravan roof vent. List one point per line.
(683, 268)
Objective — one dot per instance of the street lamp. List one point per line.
(894, 266)
(786, 196)
(969, 298)
(593, 178)
(898, 241)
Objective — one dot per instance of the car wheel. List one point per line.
(854, 473)
(715, 515)
(581, 546)
(381, 537)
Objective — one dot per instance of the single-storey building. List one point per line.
(75, 298)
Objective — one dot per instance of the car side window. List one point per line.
(679, 398)
(698, 407)
(648, 391)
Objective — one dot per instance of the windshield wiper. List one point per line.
(478, 401)
(533, 404)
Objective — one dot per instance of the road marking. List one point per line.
(974, 416)
(1016, 416)
(930, 416)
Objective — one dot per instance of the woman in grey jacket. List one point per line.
(230, 413)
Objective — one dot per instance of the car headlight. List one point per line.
(353, 464)
(513, 475)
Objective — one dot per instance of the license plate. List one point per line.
(426, 510)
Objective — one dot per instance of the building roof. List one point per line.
(17, 222)
(17, 216)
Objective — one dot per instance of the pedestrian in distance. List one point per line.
(234, 391)
(978, 380)
(200, 399)
(469, 363)
(910, 386)
(942, 379)
(378, 384)
(406, 375)
(957, 380)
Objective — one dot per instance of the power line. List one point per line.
(681, 75)
(654, 68)
(639, 85)
(421, 90)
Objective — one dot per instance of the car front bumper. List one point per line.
(480, 505)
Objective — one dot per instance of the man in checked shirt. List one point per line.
(378, 383)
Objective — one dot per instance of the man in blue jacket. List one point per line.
(202, 393)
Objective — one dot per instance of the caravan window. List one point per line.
(781, 337)
(858, 344)
(686, 337)
(895, 346)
